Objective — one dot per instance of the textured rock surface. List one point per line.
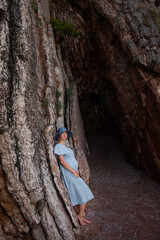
(115, 69)
(34, 202)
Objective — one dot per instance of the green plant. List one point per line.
(34, 6)
(65, 26)
(45, 103)
(58, 106)
(58, 93)
(38, 23)
(70, 91)
(146, 20)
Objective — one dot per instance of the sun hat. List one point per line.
(61, 130)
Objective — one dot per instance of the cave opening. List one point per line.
(99, 67)
(100, 108)
(112, 89)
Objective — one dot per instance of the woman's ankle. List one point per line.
(80, 215)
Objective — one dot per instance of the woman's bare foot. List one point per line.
(81, 220)
(87, 221)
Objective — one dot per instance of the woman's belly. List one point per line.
(71, 162)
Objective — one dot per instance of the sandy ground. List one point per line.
(127, 202)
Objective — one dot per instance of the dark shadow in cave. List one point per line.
(98, 122)
(157, 3)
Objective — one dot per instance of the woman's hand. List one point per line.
(67, 166)
(76, 174)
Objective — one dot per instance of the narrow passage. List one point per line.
(127, 202)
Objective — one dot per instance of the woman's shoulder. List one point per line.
(62, 145)
(60, 149)
(58, 145)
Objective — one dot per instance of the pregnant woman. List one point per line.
(78, 191)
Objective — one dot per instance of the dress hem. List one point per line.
(82, 202)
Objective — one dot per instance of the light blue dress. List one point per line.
(77, 189)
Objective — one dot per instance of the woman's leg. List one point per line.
(81, 214)
(77, 208)
(82, 209)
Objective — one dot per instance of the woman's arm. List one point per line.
(66, 165)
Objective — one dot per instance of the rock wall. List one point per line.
(34, 203)
(114, 68)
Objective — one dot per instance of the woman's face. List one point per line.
(63, 136)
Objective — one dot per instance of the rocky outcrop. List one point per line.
(112, 70)
(116, 65)
(34, 202)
